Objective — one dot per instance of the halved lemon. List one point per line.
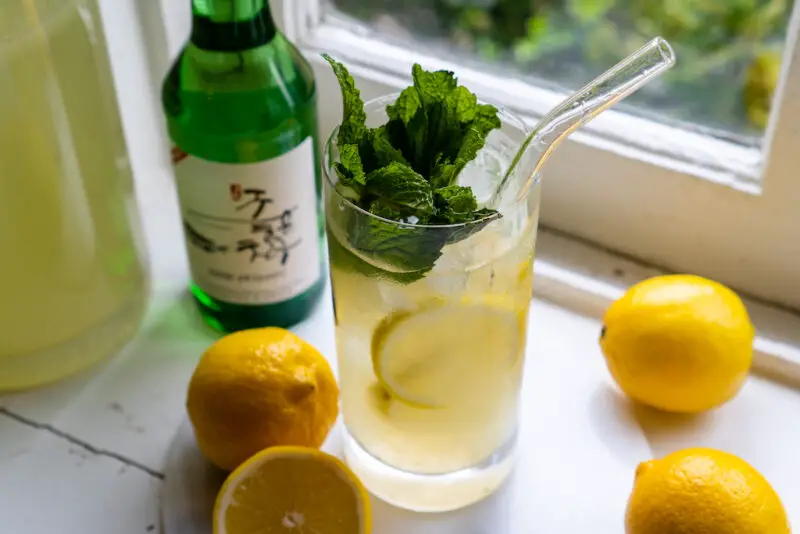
(444, 352)
(294, 490)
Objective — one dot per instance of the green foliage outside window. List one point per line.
(729, 51)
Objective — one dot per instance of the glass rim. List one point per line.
(328, 171)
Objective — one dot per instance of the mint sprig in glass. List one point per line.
(405, 171)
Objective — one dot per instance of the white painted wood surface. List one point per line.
(551, 470)
(580, 442)
(88, 455)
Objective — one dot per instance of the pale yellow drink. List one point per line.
(431, 365)
(72, 282)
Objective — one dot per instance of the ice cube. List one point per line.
(483, 174)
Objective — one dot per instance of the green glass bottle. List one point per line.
(240, 103)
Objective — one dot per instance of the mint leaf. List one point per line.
(343, 258)
(455, 204)
(473, 140)
(407, 128)
(383, 150)
(351, 173)
(388, 211)
(399, 187)
(409, 251)
(406, 107)
(434, 86)
(482, 219)
(407, 171)
(440, 95)
(461, 106)
(447, 122)
(353, 127)
(486, 119)
(443, 175)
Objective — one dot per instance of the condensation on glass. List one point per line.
(729, 50)
(73, 283)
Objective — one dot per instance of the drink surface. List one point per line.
(241, 103)
(72, 279)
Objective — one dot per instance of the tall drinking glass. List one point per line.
(430, 360)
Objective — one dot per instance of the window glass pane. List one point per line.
(729, 51)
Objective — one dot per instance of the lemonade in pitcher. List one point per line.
(72, 275)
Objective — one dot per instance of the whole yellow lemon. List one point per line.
(260, 388)
(678, 343)
(703, 491)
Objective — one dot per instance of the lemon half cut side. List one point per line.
(292, 489)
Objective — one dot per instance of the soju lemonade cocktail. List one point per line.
(430, 322)
(432, 206)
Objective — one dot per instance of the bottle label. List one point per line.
(251, 229)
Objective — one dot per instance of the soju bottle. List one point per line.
(241, 110)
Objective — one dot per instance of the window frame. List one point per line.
(673, 198)
(735, 220)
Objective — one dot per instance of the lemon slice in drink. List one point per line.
(292, 489)
(446, 353)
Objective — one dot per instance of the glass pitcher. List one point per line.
(73, 282)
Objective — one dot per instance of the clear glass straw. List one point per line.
(614, 85)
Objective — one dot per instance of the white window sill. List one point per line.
(586, 279)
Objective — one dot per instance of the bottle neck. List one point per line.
(231, 25)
